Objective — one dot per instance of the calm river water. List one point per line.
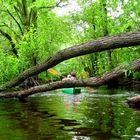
(91, 115)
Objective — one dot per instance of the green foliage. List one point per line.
(38, 33)
(10, 67)
(40, 38)
(120, 17)
(136, 75)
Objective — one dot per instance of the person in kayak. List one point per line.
(71, 76)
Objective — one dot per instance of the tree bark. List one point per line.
(105, 43)
(91, 82)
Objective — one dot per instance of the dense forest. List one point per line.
(100, 38)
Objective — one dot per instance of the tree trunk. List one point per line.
(105, 43)
(91, 82)
(105, 31)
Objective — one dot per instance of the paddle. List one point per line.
(54, 72)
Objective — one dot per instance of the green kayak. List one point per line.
(71, 90)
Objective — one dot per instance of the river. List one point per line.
(90, 115)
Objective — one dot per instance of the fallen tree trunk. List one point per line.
(91, 82)
(105, 43)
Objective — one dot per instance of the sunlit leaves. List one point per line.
(122, 16)
(10, 67)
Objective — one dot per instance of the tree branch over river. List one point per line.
(92, 82)
(129, 39)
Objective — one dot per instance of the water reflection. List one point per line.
(91, 115)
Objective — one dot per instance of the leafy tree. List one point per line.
(104, 18)
(32, 30)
